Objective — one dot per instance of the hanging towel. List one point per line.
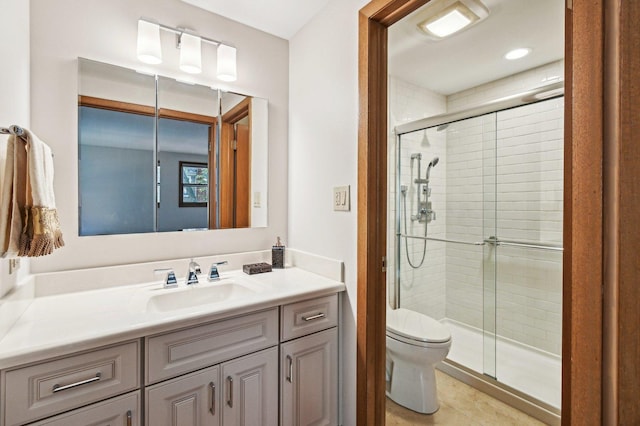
(12, 195)
(41, 233)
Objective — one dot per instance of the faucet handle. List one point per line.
(195, 267)
(170, 279)
(192, 278)
(214, 274)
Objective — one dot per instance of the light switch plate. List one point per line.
(341, 198)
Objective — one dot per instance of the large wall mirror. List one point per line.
(157, 154)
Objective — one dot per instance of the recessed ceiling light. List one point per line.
(518, 53)
(449, 17)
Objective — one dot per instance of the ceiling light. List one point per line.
(227, 63)
(448, 17)
(190, 53)
(149, 50)
(518, 53)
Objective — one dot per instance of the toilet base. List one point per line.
(413, 388)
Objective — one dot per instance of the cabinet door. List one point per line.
(193, 399)
(122, 410)
(251, 390)
(309, 380)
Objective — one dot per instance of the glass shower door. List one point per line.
(528, 249)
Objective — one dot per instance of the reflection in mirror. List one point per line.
(115, 151)
(195, 160)
(186, 129)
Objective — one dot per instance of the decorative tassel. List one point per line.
(41, 234)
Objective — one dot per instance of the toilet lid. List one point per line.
(416, 326)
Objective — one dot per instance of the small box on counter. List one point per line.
(256, 268)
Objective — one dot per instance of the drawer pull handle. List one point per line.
(129, 418)
(230, 392)
(58, 388)
(314, 317)
(290, 376)
(212, 405)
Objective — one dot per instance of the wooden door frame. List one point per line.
(600, 292)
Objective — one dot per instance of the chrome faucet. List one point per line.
(214, 274)
(170, 280)
(192, 274)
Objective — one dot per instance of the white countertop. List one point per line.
(56, 325)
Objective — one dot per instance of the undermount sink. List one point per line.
(199, 294)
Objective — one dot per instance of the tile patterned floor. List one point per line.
(460, 405)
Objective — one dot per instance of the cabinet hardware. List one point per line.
(129, 418)
(212, 403)
(290, 376)
(314, 317)
(229, 391)
(58, 388)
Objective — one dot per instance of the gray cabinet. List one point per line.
(122, 410)
(193, 399)
(44, 389)
(309, 364)
(309, 385)
(251, 390)
(239, 392)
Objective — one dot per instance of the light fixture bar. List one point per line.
(179, 31)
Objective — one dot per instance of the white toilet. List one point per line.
(415, 344)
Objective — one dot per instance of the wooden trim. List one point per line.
(186, 116)
(112, 105)
(583, 257)
(372, 204)
(621, 372)
(238, 112)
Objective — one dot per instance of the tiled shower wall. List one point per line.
(527, 157)
(423, 289)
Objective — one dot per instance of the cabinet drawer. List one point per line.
(309, 316)
(179, 352)
(51, 387)
(123, 410)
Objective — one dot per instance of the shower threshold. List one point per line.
(528, 379)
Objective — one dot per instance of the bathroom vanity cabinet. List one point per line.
(274, 366)
(309, 362)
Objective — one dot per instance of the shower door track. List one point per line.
(549, 91)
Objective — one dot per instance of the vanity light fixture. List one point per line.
(447, 17)
(227, 63)
(190, 53)
(149, 50)
(190, 45)
(518, 53)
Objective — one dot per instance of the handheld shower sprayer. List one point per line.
(431, 164)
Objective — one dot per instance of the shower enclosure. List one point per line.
(477, 243)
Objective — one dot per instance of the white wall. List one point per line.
(64, 30)
(14, 93)
(323, 144)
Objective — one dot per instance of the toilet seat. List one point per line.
(416, 329)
